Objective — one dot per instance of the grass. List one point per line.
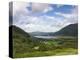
(57, 52)
(51, 47)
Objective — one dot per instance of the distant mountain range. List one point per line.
(70, 30)
(40, 33)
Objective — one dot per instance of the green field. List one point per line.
(42, 47)
(57, 52)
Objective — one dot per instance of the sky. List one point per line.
(43, 17)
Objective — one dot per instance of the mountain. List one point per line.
(20, 40)
(19, 34)
(70, 30)
(40, 33)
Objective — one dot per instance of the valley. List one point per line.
(30, 45)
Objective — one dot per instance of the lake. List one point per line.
(46, 37)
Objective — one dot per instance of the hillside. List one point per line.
(21, 40)
(70, 30)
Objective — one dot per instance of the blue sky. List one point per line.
(43, 17)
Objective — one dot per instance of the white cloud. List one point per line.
(38, 27)
(41, 23)
(19, 6)
(39, 7)
(59, 5)
(69, 17)
(48, 9)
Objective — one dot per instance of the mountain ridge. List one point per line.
(70, 30)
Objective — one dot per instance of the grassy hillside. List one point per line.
(21, 40)
(70, 30)
(26, 46)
